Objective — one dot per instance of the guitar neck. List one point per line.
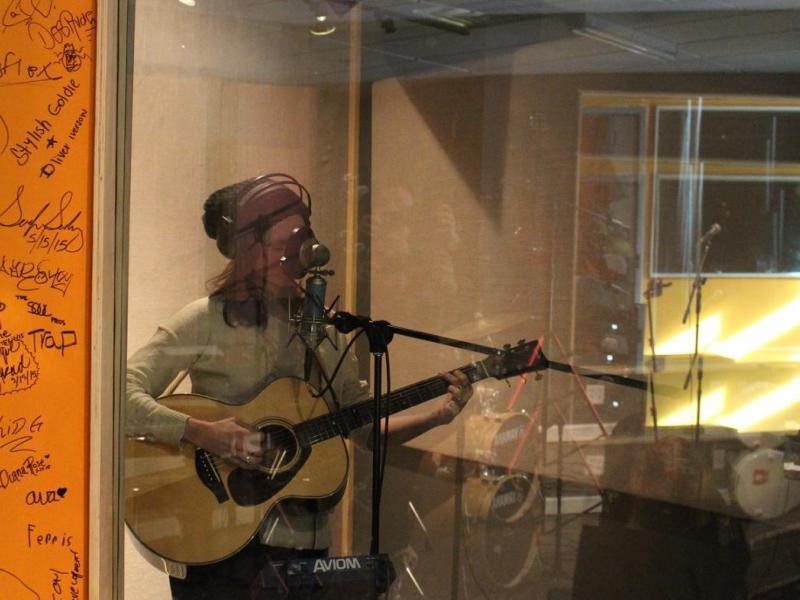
(348, 419)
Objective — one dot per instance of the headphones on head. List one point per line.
(220, 208)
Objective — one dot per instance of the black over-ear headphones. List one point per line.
(219, 210)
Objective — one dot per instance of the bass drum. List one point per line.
(503, 520)
(500, 439)
(760, 487)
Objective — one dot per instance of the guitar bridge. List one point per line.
(208, 474)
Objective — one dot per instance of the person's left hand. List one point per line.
(458, 393)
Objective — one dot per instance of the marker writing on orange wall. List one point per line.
(60, 341)
(43, 498)
(30, 467)
(23, 149)
(4, 135)
(17, 434)
(16, 70)
(47, 539)
(84, 114)
(31, 276)
(43, 231)
(63, 97)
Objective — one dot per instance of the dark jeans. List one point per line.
(238, 577)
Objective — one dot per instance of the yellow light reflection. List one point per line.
(712, 405)
(763, 407)
(683, 343)
(759, 333)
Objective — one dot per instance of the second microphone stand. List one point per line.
(697, 358)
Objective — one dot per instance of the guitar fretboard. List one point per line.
(348, 419)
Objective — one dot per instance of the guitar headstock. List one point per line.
(522, 358)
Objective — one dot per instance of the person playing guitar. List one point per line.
(234, 344)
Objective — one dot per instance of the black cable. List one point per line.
(322, 373)
(314, 544)
(339, 364)
(385, 441)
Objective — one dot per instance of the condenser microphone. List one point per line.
(313, 254)
(712, 231)
(313, 319)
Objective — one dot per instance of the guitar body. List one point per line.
(188, 506)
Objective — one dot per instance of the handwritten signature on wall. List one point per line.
(49, 229)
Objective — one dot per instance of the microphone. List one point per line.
(655, 288)
(303, 252)
(313, 254)
(313, 319)
(712, 231)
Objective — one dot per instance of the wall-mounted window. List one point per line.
(733, 163)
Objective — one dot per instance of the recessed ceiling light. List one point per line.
(188, 2)
(322, 26)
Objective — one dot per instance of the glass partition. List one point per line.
(590, 214)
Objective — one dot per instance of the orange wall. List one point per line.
(46, 143)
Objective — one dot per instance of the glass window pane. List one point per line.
(757, 220)
(524, 180)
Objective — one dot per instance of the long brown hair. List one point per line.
(220, 211)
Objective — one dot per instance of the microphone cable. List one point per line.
(385, 441)
(338, 364)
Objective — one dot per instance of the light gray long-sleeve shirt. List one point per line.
(232, 365)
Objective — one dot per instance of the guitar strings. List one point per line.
(316, 429)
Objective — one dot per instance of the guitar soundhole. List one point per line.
(280, 447)
(281, 461)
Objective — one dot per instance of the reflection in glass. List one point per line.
(483, 172)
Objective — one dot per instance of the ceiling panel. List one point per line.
(508, 37)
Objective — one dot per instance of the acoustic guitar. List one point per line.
(188, 506)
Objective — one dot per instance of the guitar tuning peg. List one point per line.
(521, 342)
(506, 346)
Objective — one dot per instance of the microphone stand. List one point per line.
(380, 334)
(654, 289)
(697, 294)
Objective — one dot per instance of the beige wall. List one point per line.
(192, 135)
(457, 248)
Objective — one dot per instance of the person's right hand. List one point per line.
(227, 439)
